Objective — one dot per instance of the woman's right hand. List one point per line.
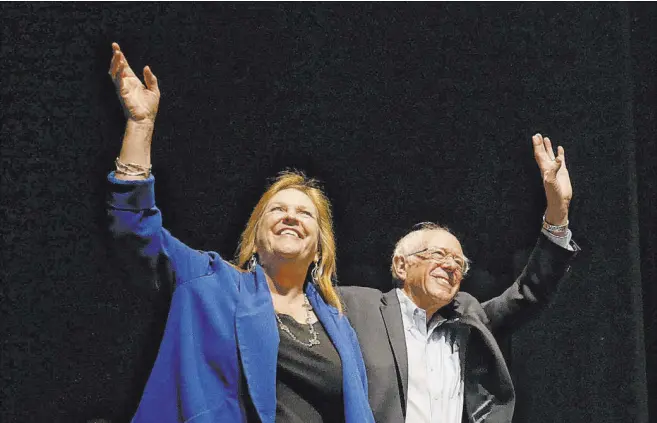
(139, 102)
(140, 107)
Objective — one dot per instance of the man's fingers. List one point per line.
(548, 147)
(539, 148)
(151, 80)
(561, 156)
(559, 162)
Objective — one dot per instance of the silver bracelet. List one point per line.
(555, 229)
(132, 169)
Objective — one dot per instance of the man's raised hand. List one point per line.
(556, 179)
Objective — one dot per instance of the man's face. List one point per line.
(288, 229)
(432, 276)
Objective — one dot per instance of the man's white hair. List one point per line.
(415, 241)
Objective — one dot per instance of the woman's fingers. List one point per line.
(139, 102)
(151, 80)
(125, 69)
(116, 59)
(113, 64)
(119, 66)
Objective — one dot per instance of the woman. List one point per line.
(252, 341)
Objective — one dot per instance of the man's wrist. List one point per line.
(560, 230)
(556, 215)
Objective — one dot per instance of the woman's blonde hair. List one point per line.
(326, 267)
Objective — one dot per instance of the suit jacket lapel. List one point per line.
(391, 312)
(257, 339)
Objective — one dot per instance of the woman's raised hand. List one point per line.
(139, 102)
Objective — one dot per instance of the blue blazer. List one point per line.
(221, 323)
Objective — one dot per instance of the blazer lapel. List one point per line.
(327, 316)
(391, 312)
(356, 407)
(257, 340)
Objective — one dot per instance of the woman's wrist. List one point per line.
(136, 148)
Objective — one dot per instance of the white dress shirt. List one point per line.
(435, 365)
(436, 358)
(561, 241)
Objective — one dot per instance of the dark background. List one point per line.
(407, 112)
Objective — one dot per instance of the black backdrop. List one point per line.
(406, 112)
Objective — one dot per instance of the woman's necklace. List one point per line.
(309, 317)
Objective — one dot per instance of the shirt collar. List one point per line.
(414, 316)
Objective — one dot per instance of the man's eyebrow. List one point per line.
(449, 250)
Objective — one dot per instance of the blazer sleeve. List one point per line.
(153, 258)
(547, 267)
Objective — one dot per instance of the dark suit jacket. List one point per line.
(489, 394)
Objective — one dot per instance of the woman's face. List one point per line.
(288, 228)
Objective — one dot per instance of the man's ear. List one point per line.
(400, 265)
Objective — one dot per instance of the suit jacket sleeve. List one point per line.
(548, 265)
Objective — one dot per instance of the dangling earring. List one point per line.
(314, 274)
(253, 262)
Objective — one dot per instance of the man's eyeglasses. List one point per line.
(441, 256)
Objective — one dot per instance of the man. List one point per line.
(430, 351)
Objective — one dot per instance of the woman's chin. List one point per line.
(289, 254)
